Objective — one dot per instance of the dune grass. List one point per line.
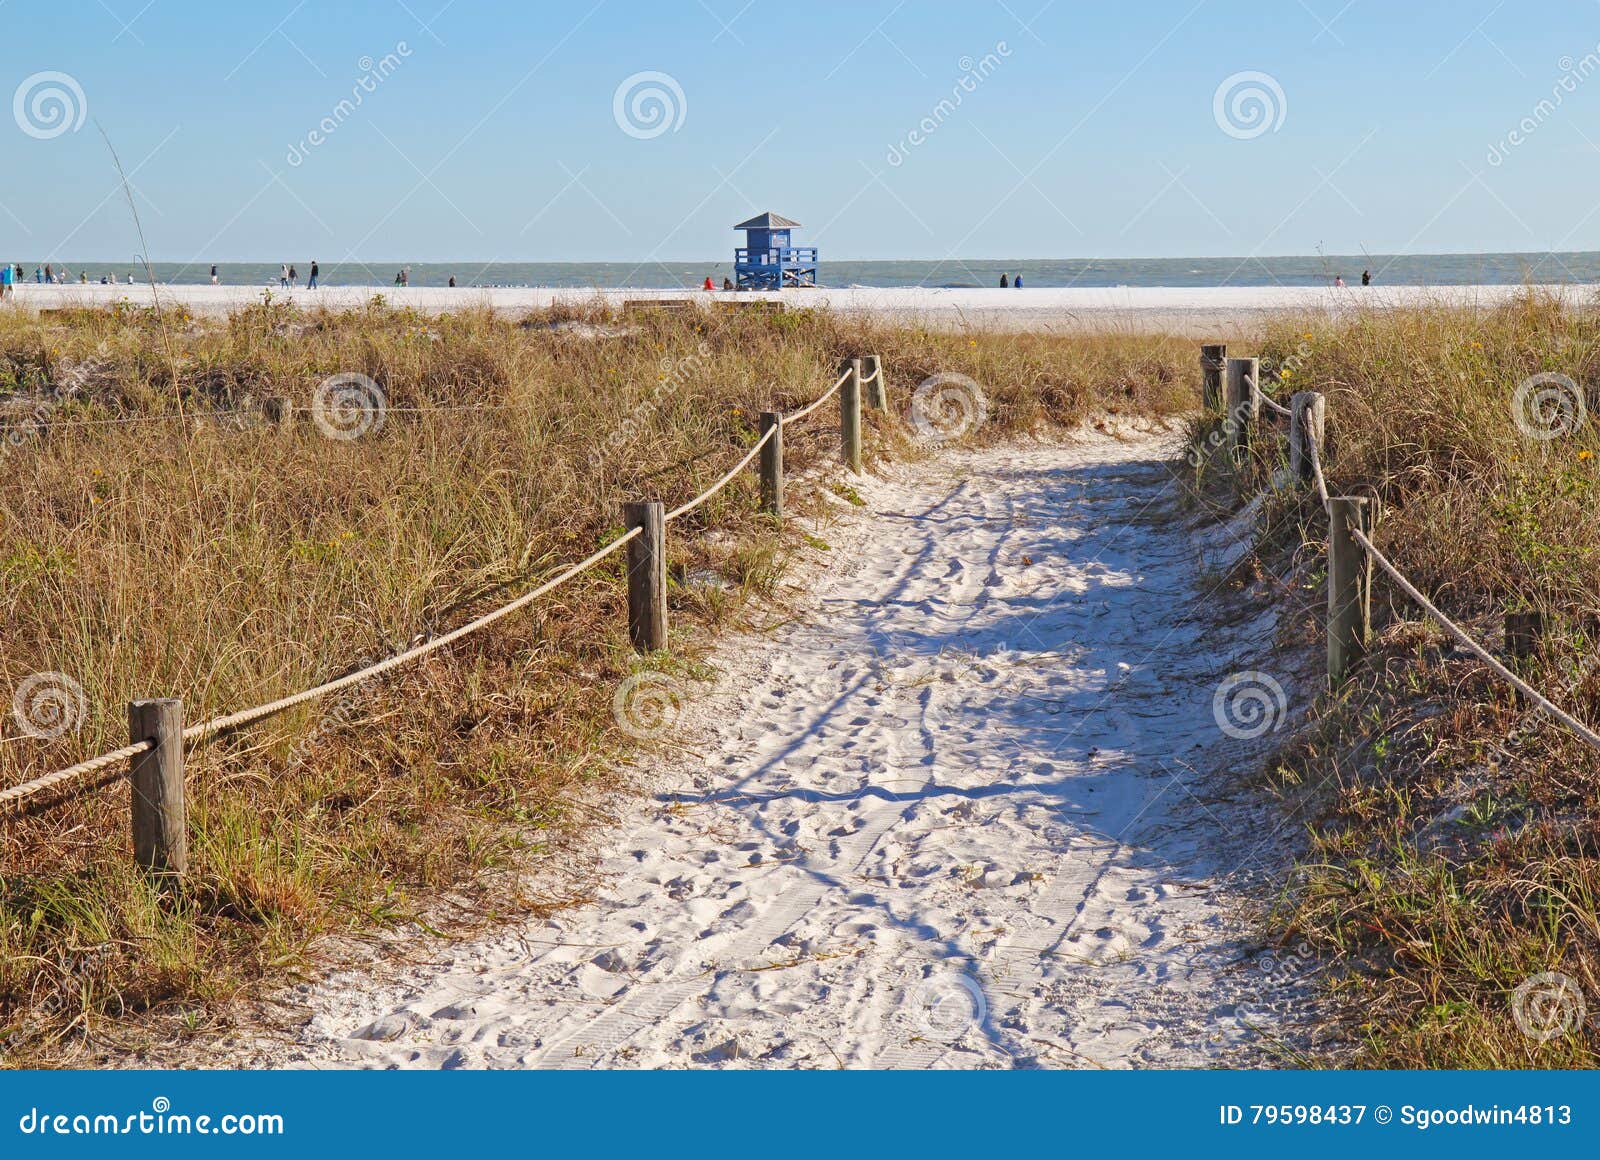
(161, 535)
(1455, 837)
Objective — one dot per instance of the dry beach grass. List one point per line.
(199, 550)
(1456, 837)
(159, 536)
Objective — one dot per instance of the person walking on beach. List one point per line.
(283, 275)
(294, 277)
(452, 281)
(215, 280)
(6, 276)
(1366, 277)
(311, 282)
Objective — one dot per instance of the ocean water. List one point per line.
(1311, 270)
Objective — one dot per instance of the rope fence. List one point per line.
(806, 410)
(1350, 542)
(1275, 407)
(156, 762)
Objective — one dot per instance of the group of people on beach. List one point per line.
(1007, 281)
(50, 275)
(12, 274)
(288, 276)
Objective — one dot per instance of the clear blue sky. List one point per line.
(1095, 135)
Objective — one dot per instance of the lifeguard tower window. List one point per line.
(768, 260)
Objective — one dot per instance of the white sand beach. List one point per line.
(970, 808)
(1196, 311)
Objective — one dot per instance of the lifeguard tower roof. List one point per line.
(767, 221)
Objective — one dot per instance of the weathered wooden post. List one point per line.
(772, 464)
(1349, 586)
(877, 396)
(1244, 408)
(160, 827)
(1308, 415)
(850, 413)
(647, 575)
(1213, 361)
(1524, 632)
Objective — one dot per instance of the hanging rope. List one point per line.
(1455, 631)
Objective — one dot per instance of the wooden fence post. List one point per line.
(772, 464)
(647, 575)
(160, 827)
(1308, 409)
(1524, 631)
(850, 413)
(1244, 407)
(1213, 360)
(877, 390)
(1349, 586)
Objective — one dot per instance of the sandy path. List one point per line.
(956, 815)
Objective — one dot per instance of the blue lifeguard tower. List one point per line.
(767, 261)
